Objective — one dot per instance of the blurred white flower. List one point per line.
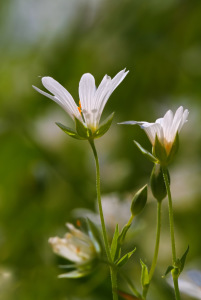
(76, 247)
(115, 210)
(190, 284)
(92, 100)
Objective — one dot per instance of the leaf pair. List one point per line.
(117, 242)
(179, 265)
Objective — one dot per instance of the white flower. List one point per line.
(164, 128)
(92, 100)
(76, 246)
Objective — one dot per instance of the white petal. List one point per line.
(63, 97)
(78, 233)
(166, 123)
(87, 90)
(176, 123)
(107, 86)
(184, 119)
(130, 123)
(153, 129)
(61, 248)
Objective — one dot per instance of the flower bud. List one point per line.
(157, 183)
(139, 201)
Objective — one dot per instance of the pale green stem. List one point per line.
(158, 231)
(104, 232)
(171, 220)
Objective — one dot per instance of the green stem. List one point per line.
(158, 231)
(113, 272)
(171, 220)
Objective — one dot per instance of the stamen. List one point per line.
(78, 223)
(79, 107)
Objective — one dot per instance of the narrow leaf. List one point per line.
(146, 153)
(125, 258)
(183, 260)
(114, 243)
(69, 131)
(123, 234)
(144, 275)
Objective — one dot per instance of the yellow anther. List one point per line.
(79, 107)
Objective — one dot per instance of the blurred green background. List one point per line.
(45, 175)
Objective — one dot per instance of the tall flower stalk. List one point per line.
(87, 117)
(175, 273)
(164, 137)
(104, 232)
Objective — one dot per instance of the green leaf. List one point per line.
(82, 130)
(114, 243)
(169, 269)
(146, 153)
(125, 258)
(69, 131)
(174, 149)
(183, 260)
(104, 127)
(144, 275)
(123, 234)
(159, 151)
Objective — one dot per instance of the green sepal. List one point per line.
(146, 153)
(69, 131)
(158, 187)
(144, 275)
(125, 258)
(139, 201)
(82, 130)
(174, 148)
(183, 260)
(159, 151)
(104, 127)
(94, 234)
(114, 244)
